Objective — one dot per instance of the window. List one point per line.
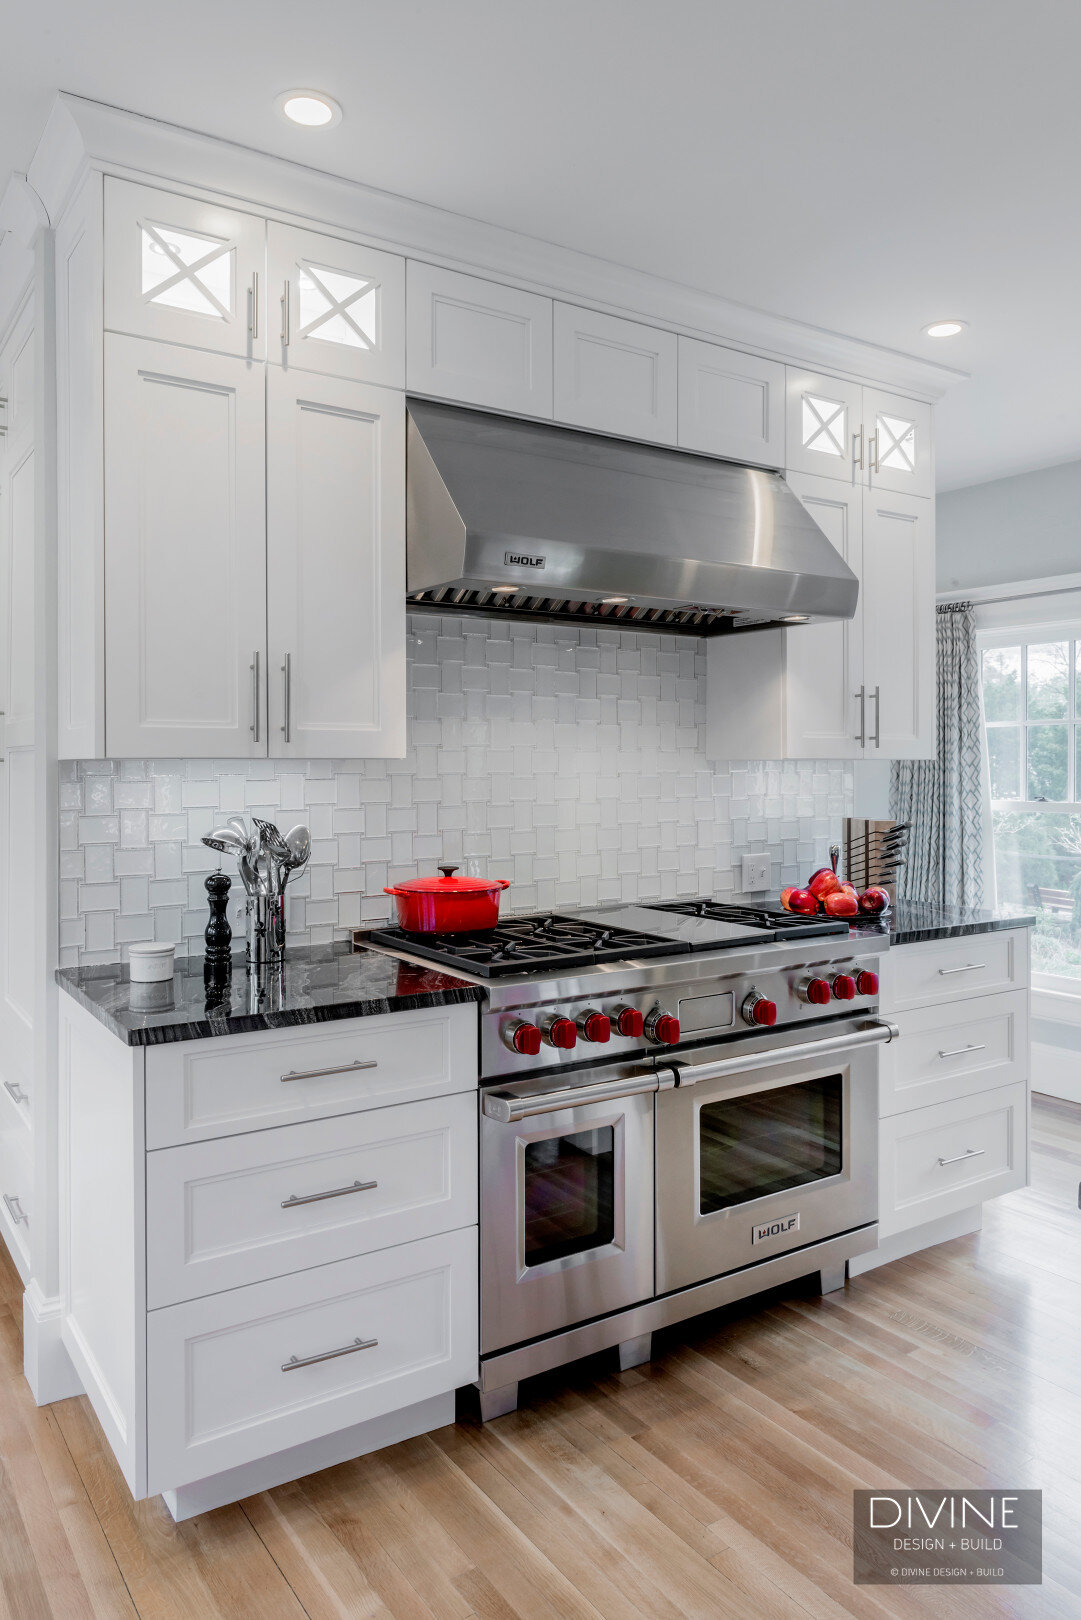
(1033, 717)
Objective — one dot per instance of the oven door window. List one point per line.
(569, 1194)
(752, 1146)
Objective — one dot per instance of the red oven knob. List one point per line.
(561, 1032)
(867, 983)
(595, 1026)
(816, 991)
(844, 987)
(629, 1022)
(662, 1028)
(757, 1010)
(526, 1038)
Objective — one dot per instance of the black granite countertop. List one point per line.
(911, 921)
(314, 986)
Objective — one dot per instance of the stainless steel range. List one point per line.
(678, 1109)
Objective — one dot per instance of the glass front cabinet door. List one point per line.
(335, 307)
(184, 271)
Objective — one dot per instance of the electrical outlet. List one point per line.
(756, 873)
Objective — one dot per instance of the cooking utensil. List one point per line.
(299, 843)
(271, 839)
(447, 904)
(224, 840)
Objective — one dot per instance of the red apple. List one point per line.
(784, 896)
(874, 901)
(841, 904)
(803, 902)
(824, 882)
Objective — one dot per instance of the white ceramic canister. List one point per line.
(150, 963)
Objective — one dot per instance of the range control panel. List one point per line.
(585, 1029)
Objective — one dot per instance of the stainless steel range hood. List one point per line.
(518, 518)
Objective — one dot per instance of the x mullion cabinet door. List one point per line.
(824, 429)
(185, 553)
(898, 452)
(184, 271)
(335, 307)
(336, 567)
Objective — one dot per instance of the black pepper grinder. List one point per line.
(218, 958)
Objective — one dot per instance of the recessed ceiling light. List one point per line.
(309, 107)
(944, 328)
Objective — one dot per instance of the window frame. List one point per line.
(1025, 636)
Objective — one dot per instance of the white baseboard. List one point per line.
(918, 1237)
(236, 1483)
(46, 1363)
(1056, 1070)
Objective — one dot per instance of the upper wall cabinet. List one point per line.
(731, 404)
(825, 417)
(477, 342)
(898, 443)
(615, 376)
(185, 552)
(336, 568)
(334, 307)
(838, 429)
(184, 271)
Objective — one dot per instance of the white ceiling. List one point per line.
(865, 165)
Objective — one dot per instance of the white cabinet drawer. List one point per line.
(954, 1050)
(218, 1394)
(923, 975)
(16, 1187)
(239, 1210)
(477, 341)
(936, 1161)
(217, 1087)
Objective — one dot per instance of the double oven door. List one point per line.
(764, 1152)
(566, 1203)
(604, 1189)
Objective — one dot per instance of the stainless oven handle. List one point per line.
(868, 1035)
(509, 1109)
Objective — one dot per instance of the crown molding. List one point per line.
(81, 133)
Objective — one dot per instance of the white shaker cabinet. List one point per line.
(335, 568)
(615, 376)
(335, 307)
(898, 609)
(898, 451)
(477, 342)
(731, 404)
(859, 688)
(185, 552)
(184, 271)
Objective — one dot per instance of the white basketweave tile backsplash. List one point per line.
(569, 761)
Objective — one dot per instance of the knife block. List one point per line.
(861, 842)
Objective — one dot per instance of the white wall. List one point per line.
(1027, 527)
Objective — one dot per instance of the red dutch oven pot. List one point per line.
(447, 904)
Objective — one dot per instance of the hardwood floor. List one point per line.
(715, 1482)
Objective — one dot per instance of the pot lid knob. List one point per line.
(448, 871)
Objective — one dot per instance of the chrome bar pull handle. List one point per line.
(254, 727)
(858, 438)
(328, 1355)
(253, 306)
(862, 696)
(287, 696)
(876, 699)
(960, 1051)
(319, 1074)
(872, 455)
(969, 967)
(285, 315)
(293, 1201)
(16, 1092)
(969, 1153)
(16, 1210)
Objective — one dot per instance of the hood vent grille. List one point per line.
(687, 621)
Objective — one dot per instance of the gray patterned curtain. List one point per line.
(943, 797)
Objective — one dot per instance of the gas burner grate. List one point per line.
(772, 918)
(527, 945)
